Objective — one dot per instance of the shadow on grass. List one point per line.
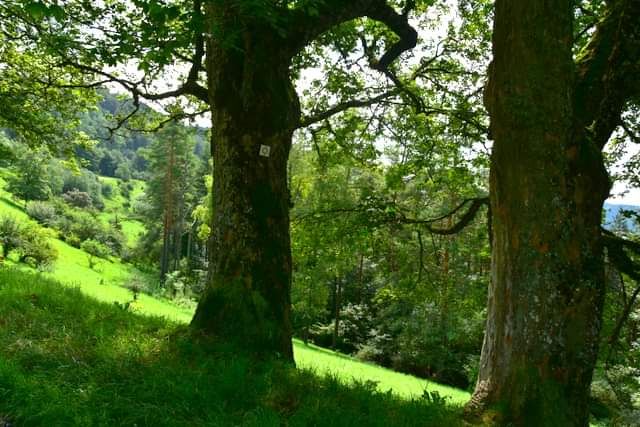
(68, 360)
(9, 201)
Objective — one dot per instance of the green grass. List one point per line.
(104, 283)
(325, 361)
(114, 205)
(69, 360)
(9, 206)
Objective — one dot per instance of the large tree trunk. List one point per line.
(255, 110)
(548, 184)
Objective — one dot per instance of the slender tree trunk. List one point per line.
(548, 185)
(337, 301)
(167, 226)
(255, 110)
(361, 279)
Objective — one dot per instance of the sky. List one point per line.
(632, 196)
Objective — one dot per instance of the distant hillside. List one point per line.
(613, 210)
(122, 155)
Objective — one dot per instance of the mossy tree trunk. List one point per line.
(255, 111)
(548, 184)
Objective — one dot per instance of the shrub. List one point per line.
(35, 248)
(85, 226)
(125, 189)
(64, 224)
(73, 240)
(113, 238)
(10, 234)
(107, 190)
(77, 198)
(43, 212)
(174, 283)
(123, 172)
(94, 249)
(85, 182)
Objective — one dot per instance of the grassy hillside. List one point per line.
(116, 205)
(66, 360)
(105, 283)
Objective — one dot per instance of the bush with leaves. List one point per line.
(10, 234)
(83, 181)
(113, 238)
(95, 248)
(78, 199)
(86, 226)
(125, 189)
(107, 190)
(43, 212)
(35, 248)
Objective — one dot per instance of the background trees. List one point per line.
(174, 186)
(31, 177)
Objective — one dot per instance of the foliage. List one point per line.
(78, 199)
(409, 299)
(173, 189)
(30, 241)
(35, 247)
(82, 181)
(106, 190)
(30, 180)
(95, 248)
(43, 212)
(10, 234)
(34, 104)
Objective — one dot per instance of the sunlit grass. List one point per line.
(114, 206)
(68, 360)
(105, 283)
(325, 361)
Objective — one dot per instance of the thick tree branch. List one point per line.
(633, 136)
(607, 71)
(161, 124)
(616, 247)
(190, 86)
(622, 262)
(464, 221)
(307, 26)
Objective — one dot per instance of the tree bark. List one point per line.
(548, 184)
(255, 110)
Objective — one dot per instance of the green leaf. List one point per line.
(37, 10)
(57, 12)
